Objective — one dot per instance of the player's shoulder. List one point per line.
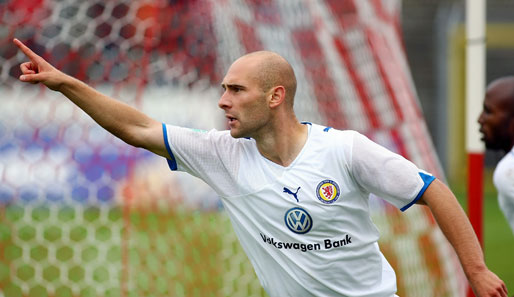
(510, 157)
(503, 172)
(225, 138)
(327, 133)
(213, 136)
(329, 140)
(507, 162)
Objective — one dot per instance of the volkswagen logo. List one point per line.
(298, 220)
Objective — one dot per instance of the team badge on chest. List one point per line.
(327, 191)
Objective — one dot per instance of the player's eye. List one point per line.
(235, 89)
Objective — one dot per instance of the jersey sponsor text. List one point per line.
(304, 247)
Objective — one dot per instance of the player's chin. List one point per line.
(240, 133)
(485, 140)
(491, 145)
(234, 132)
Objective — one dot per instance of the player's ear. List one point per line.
(277, 96)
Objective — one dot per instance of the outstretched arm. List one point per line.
(120, 119)
(456, 227)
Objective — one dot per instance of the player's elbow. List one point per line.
(421, 201)
(134, 141)
(135, 137)
(129, 137)
(148, 137)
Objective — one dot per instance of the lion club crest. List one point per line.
(327, 191)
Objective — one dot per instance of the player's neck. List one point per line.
(282, 143)
(507, 145)
(508, 148)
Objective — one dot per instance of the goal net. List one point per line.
(84, 214)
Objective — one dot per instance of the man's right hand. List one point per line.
(120, 119)
(38, 70)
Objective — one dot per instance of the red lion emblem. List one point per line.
(328, 191)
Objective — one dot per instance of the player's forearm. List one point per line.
(116, 117)
(455, 225)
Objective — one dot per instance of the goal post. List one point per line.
(475, 90)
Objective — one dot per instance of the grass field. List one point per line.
(85, 248)
(498, 238)
(51, 251)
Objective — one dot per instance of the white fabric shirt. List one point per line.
(503, 179)
(306, 228)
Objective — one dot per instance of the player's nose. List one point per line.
(224, 101)
(480, 119)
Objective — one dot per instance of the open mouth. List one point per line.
(482, 134)
(231, 119)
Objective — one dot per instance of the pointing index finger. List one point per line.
(27, 51)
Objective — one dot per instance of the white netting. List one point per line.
(83, 214)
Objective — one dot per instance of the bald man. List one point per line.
(497, 127)
(296, 193)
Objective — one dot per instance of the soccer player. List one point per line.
(497, 126)
(296, 193)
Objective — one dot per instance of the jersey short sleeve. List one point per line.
(504, 175)
(212, 156)
(503, 179)
(505, 184)
(386, 174)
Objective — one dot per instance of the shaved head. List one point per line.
(497, 117)
(270, 70)
(503, 90)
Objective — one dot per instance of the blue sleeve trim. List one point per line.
(427, 180)
(306, 123)
(326, 129)
(171, 163)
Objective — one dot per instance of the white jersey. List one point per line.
(503, 179)
(306, 228)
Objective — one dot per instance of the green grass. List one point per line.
(498, 237)
(167, 262)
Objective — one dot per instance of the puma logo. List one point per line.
(286, 190)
